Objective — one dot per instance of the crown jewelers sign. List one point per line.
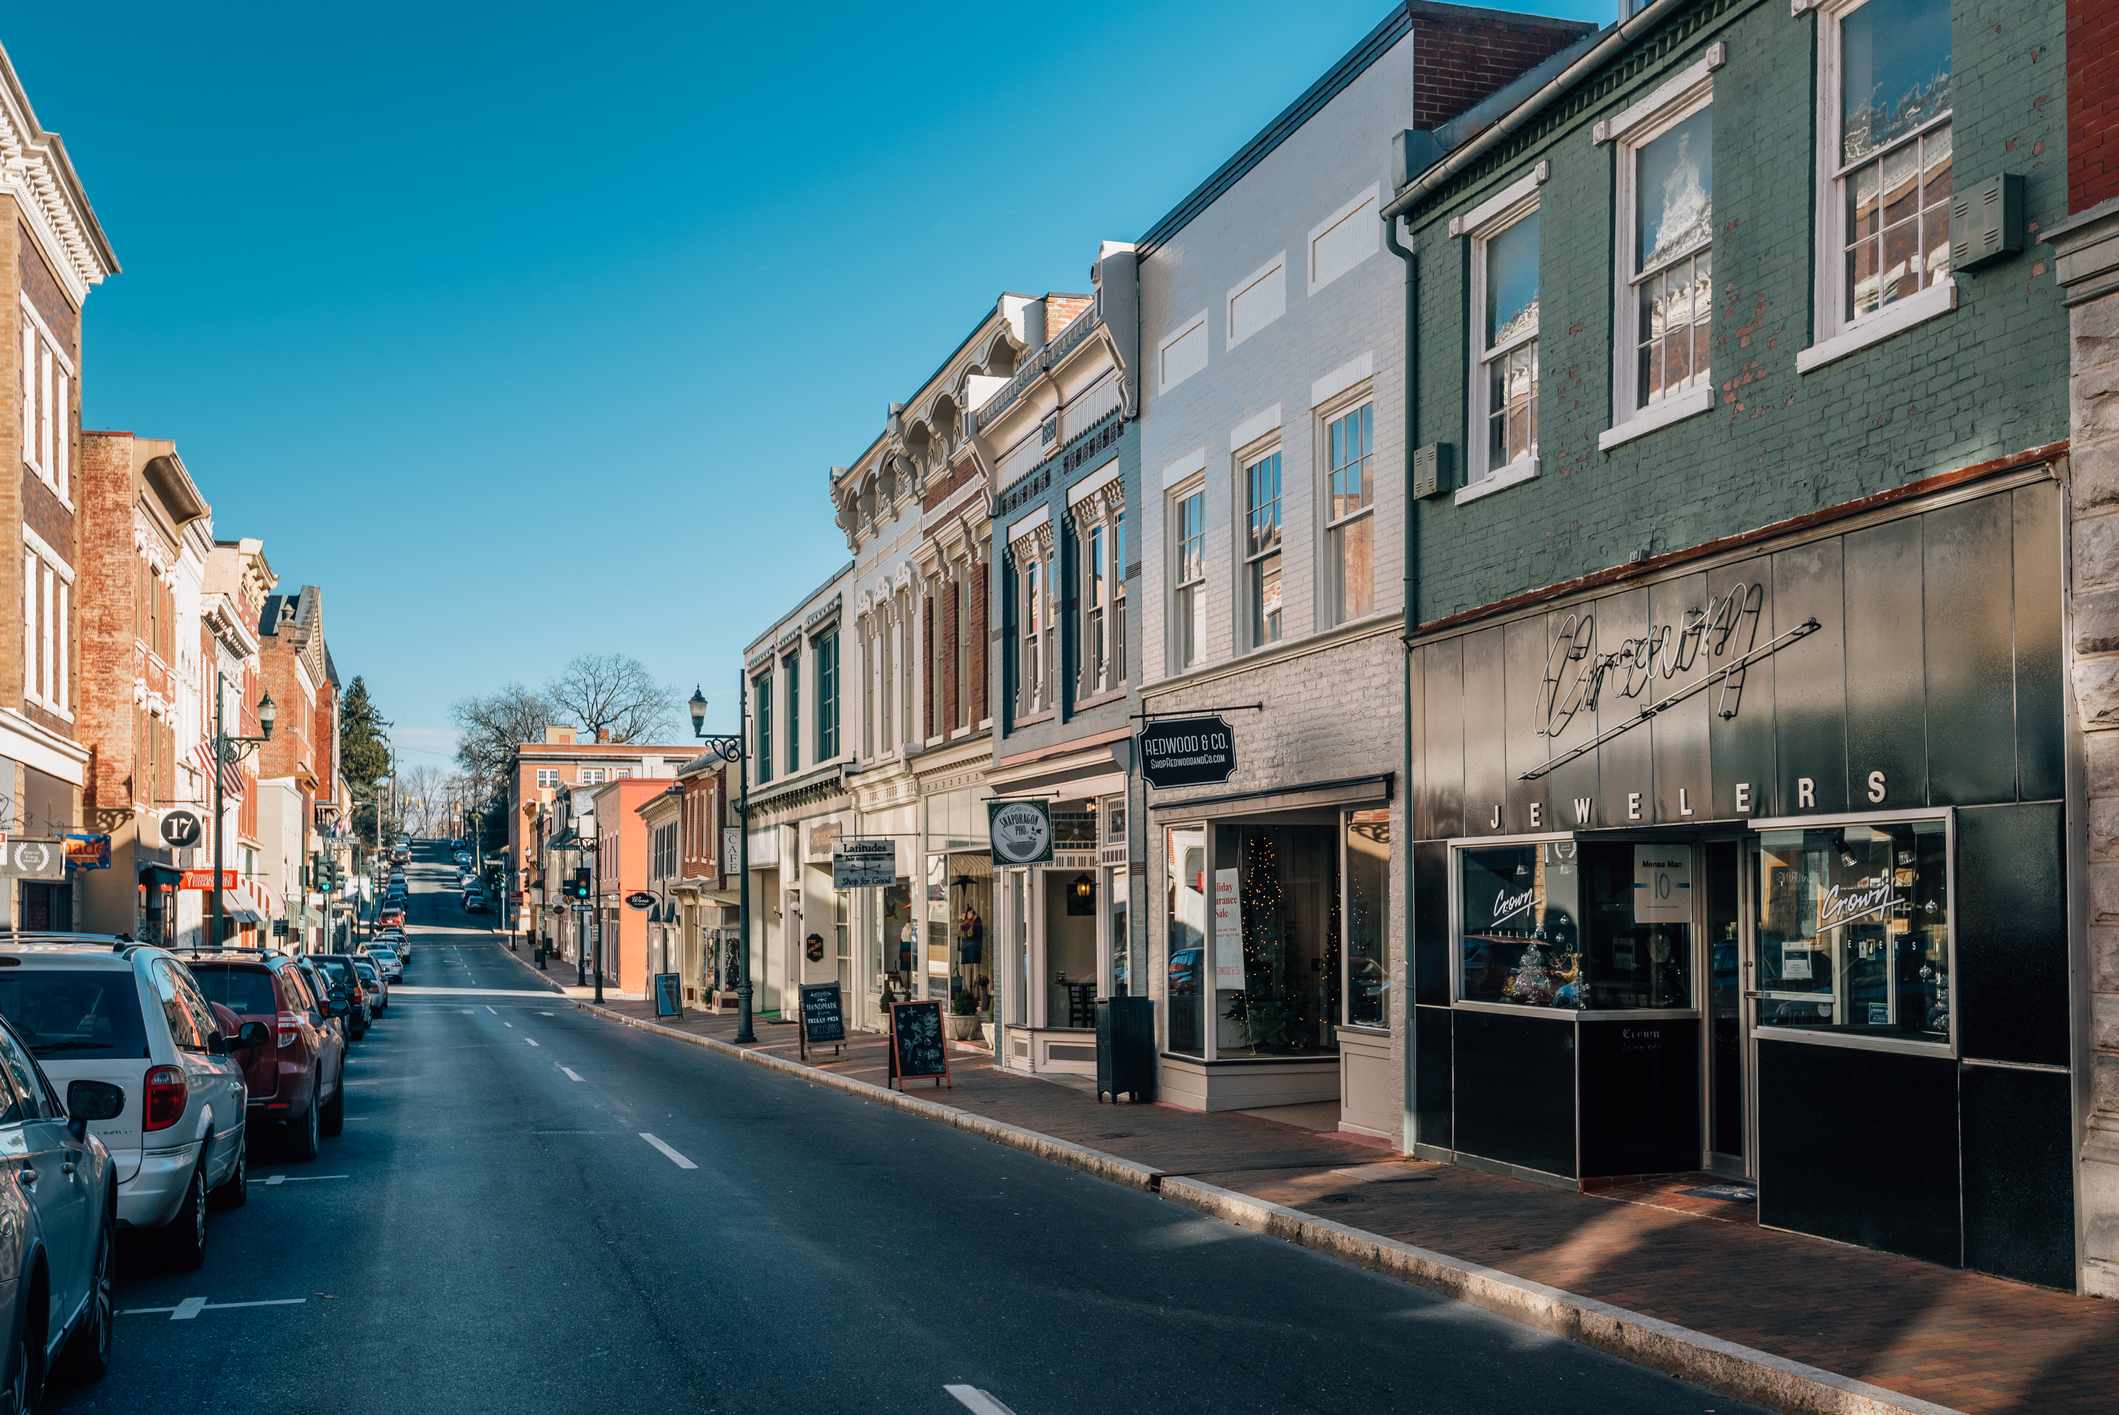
(1020, 831)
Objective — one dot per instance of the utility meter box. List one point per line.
(1431, 470)
(1986, 222)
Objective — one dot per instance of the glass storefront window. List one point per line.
(1368, 918)
(1186, 870)
(1115, 894)
(1275, 944)
(1567, 925)
(1019, 946)
(1854, 930)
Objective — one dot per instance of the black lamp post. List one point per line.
(228, 750)
(730, 750)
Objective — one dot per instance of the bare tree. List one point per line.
(611, 691)
(491, 727)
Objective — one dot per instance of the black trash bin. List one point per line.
(1125, 1048)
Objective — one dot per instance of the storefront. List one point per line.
(956, 965)
(1756, 865)
(1066, 930)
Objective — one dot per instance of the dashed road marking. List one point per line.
(509, 1025)
(572, 1074)
(271, 1179)
(977, 1401)
(679, 1160)
(531, 1040)
(190, 1307)
(489, 1008)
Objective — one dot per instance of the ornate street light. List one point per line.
(227, 751)
(730, 749)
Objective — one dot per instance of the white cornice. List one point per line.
(34, 168)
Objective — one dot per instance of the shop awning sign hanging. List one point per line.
(1020, 832)
(1187, 751)
(34, 859)
(864, 864)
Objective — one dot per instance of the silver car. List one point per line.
(130, 1015)
(386, 959)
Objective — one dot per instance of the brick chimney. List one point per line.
(603, 734)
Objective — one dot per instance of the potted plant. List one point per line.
(963, 1017)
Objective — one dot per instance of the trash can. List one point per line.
(1125, 1048)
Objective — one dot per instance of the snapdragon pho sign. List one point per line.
(1187, 751)
(1021, 832)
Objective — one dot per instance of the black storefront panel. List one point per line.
(1860, 1146)
(1432, 1080)
(1515, 1090)
(1640, 1083)
(2012, 951)
(1887, 721)
(1679, 768)
(2019, 1193)
(1969, 577)
(2041, 711)
(1526, 645)
(1485, 715)
(1431, 967)
(1442, 810)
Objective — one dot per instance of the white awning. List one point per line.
(237, 909)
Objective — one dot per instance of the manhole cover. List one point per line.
(1116, 1135)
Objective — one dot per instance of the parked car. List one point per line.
(94, 1008)
(474, 902)
(390, 918)
(372, 979)
(63, 1203)
(360, 1008)
(387, 960)
(296, 1072)
(463, 858)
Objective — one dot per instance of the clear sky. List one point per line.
(530, 330)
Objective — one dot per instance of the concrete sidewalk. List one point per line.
(1687, 1283)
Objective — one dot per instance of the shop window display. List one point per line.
(1368, 921)
(1854, 930)
(1578, 927)
(1186, 871)
(1275, 940)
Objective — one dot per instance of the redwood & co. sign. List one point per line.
(1187, 751)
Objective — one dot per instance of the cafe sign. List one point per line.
(1020, 832)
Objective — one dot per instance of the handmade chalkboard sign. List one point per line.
(916, 1045)
(669, 995)
(823, 1017)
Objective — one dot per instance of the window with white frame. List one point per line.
(1665, 248)
(1885, 87)
(1188, 607)
(47, 597)
(1350, 442)
(1096, 609)
(1504, 380)
(592, 776)
(1033, 622)
(1100, 536)
(1261, 548)
(547, 778)
(47, 376)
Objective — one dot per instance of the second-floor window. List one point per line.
(1888, 203)
(1668, 299)
(762, 715)
(793, 664)
(547, 777)
(1262, 547)
(592, 776)
(1505, 372)
(1031, 640)
(1188, 610)
(47, 378)
(47, 592)
(827, 653)
(1096, 611)
(1350, 443)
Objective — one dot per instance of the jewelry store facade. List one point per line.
(1756, 864)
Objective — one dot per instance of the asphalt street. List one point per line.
(532, 1210)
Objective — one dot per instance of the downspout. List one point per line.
(1405, 678)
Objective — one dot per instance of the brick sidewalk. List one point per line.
(1973, 1343)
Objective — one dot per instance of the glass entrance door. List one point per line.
(1728, 962)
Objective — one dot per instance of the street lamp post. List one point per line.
(228, 750)
(730, 750)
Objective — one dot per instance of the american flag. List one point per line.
(231, 772)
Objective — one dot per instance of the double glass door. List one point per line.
(1728, 1039)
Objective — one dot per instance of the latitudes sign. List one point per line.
(864, 864)
(1187, 751)
(1020, 832)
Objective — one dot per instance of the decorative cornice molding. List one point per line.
(35, 170)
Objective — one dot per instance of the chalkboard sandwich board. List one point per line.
(823, 1017)
(916, 1045)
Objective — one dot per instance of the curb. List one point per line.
(1720, 1366)
(542, 980)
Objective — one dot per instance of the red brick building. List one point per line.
(539, 771)
(295, 672)
(238, 580)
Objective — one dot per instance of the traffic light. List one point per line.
(580, 888)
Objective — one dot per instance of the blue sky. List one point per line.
(531, 330)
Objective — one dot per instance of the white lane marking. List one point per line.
(531, 1040)
(572, 1074)
(547, 1014)
(190, 1307)
(489, 1008)
(977, 1401)
(509, 1025)
(680, 1161)
(271, 1179)
(185, 1310)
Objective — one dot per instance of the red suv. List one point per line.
(298, 1078)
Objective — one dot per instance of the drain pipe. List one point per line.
(1412, 622)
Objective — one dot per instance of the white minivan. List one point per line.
(131, 1015)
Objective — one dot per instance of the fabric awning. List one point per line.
(238, 909)
(566, 840)
(162, 876)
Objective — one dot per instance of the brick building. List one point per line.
(51, 252)
(146, 534)
(294, 668)
(705, 884)
(239, 579)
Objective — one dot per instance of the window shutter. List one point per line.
(61, 424)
